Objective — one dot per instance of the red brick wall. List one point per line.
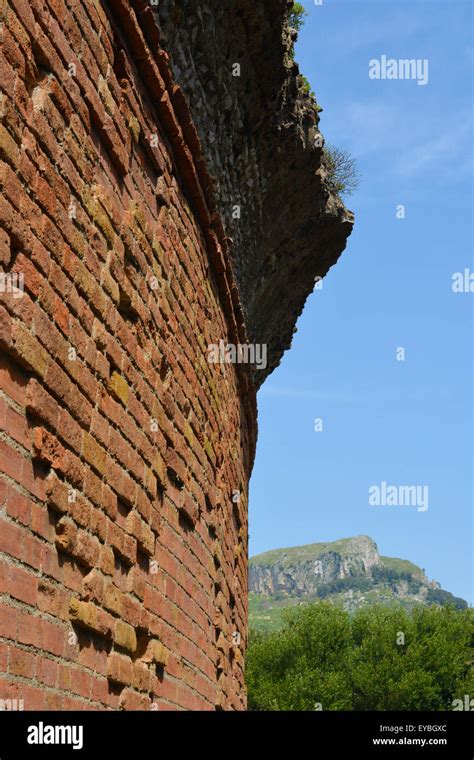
(123, 557)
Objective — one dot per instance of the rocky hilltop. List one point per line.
(350, 572)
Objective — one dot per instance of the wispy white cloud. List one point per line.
(407, 147)
(449, 146)
(369, 126)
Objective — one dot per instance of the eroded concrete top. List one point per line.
(260, 136)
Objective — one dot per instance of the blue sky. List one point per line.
(403, 422)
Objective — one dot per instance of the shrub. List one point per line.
(297, 16)
(305, 85)
(342, 174)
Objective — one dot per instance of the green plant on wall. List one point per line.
(342, 175)
(305, 85)
(296, 16)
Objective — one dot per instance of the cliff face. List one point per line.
(303, 570)
(261, 139)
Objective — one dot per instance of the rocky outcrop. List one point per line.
(303, 570)
(260, 135)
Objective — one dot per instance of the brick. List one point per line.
(94, 454)
(8, 621)
(136, 582)
(140, 530)
(11, 539)
(41, 523)
(190, 508)
(52, 599)
(47, 448)
(6, 332)
(28, 629)
(23, 585)
(53, 638)
(131, 700)
(87, 549)
(8, 148)
(159, 468)
(156, 652)
(4, 649)
(119, 668)
(113, 599)
(142, 677)
(123, 544)
(5, 248)
(58, 494)
(133, 612)
(107, 560)
(47, 671)
(124, 636)
(22, 7)
(66, 535)
(22, 663)
(79, 509)
(119, 388)
(4, 576)
(88, 615)
(93, 586)
(28, 351)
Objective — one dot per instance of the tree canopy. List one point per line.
(380, 658)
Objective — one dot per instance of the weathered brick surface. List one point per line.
(122, 556)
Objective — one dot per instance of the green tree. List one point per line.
(296, 16)
(297, 667)
(381, 658)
